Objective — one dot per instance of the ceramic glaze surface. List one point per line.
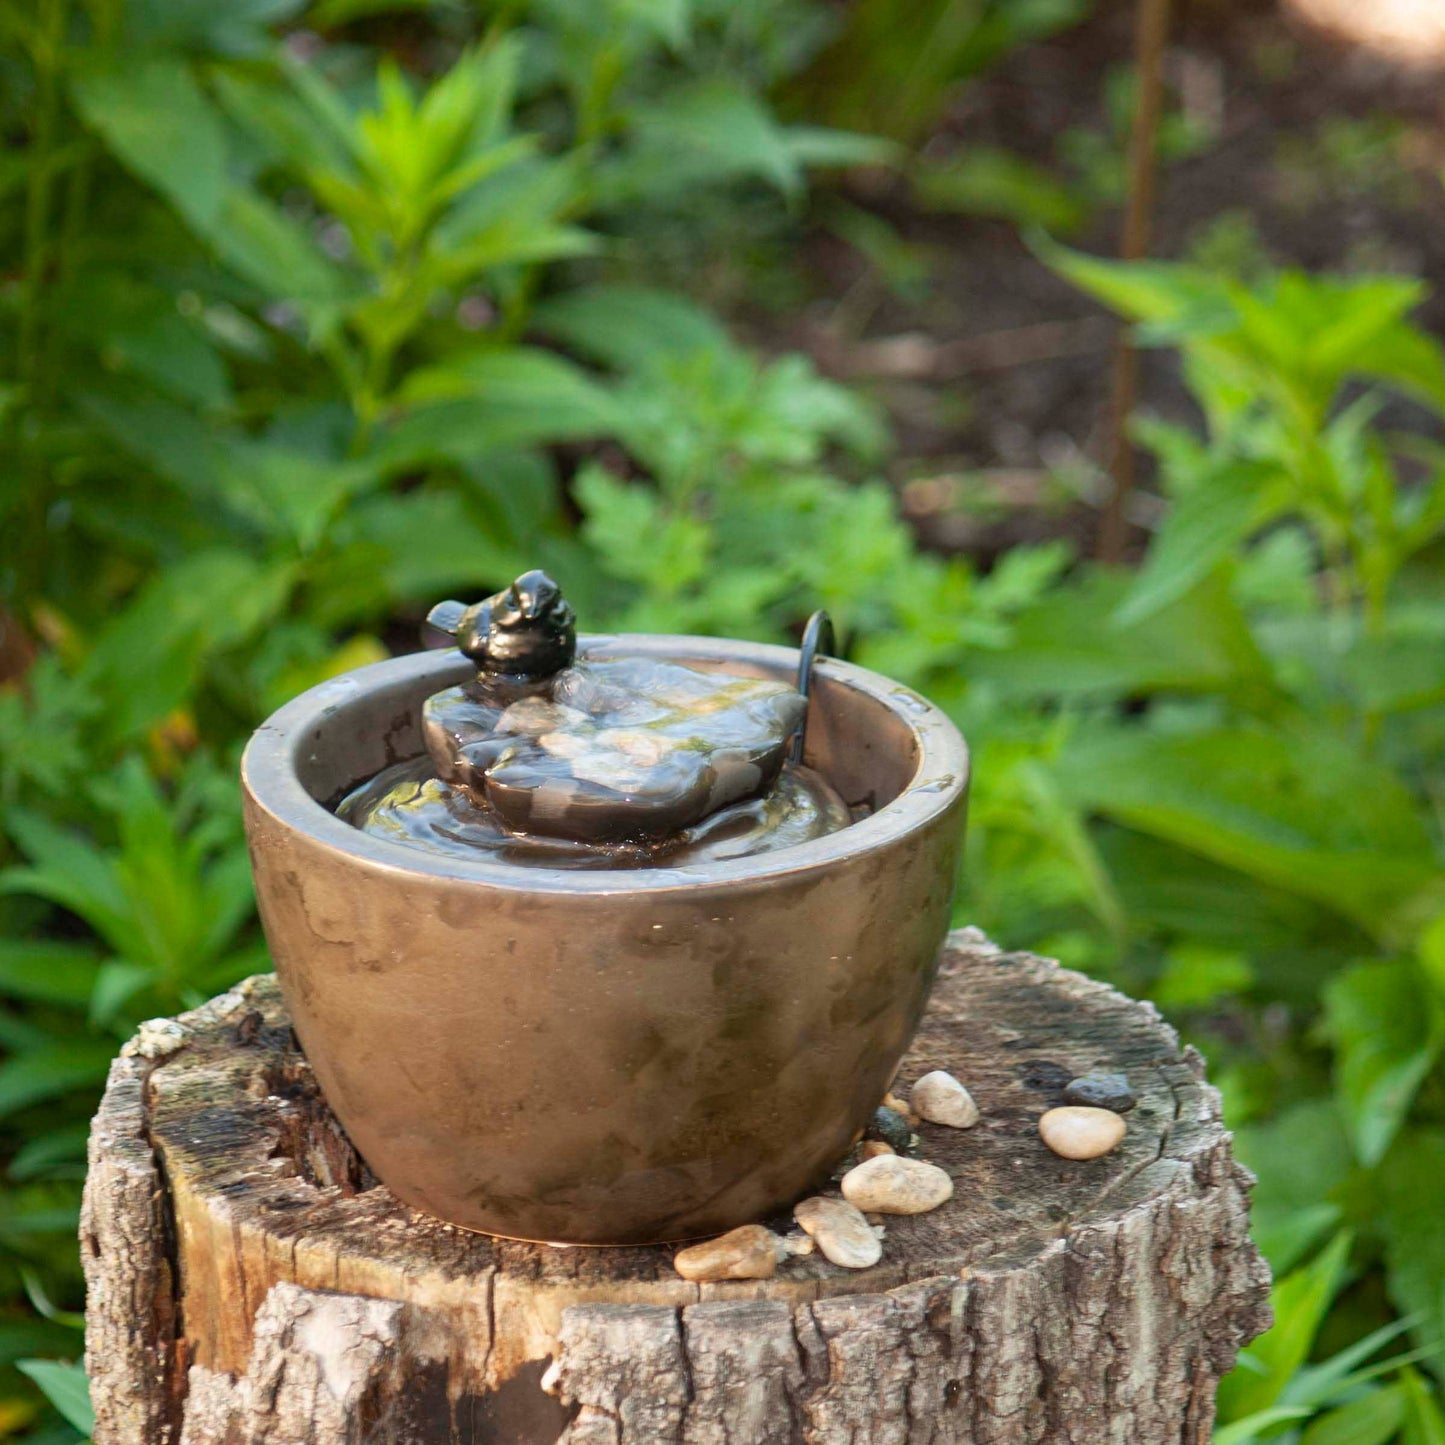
(606, 1056)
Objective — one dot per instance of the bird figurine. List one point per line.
(527, 630)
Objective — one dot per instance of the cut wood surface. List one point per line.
(251, 1284)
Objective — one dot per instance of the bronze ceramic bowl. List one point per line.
(618, 1056)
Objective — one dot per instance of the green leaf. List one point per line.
(1068, 646)
(821, 146)
(630, 328)
(66, 1387)
(669, 20)
(296, 495)
(32, 1336)
(1259, 1426)
(57, 1153)
(1407, 356)
(725, 129)
(1431, 952)
(259, 242)
(69, 870)
(1204, 526)
(52, 1071)
(1387, 1031)
(1363, 317)
(47, 971)
(1167, 889)
(638, 539)
(1184, 299)
(1413, 1218)
(269, 109)
(1300, 1302)
(333, 14)
(1391, 667)
(985, 181)
(153, 115)
(26, 1225)
(509, 241)
(428, 543)
(174, 354)
(211, 600)
(236, 28)
(493, 399)
(1304, 812)
(1424, 1419)
(1301, 1159)
(167, 437)
(115, 985)
(520, 492)
(1197, 975)
(1373, 1419)
(139, 330)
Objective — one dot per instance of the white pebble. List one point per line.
(841, 1232)
(1081, 1133)
(890, 1184)
(941, 1099)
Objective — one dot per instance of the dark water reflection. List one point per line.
(409, 804)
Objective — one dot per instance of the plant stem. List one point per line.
(1151, 33)
(45, 56)
(77, 197)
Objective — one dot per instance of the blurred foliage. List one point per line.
(1270, 819)
(1086, 171)
(315, 317)
(893, 69)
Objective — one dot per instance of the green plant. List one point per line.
(1086, 171)
(893, 70)
(1344, 1397)
(272, 379)
(1283, 772)
(304, 336)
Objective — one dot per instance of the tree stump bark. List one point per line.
(251, 1284)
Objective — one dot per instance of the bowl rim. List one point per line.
(271, 783)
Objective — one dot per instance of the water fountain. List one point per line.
(603, 939)
(617, 940)
(631, 762)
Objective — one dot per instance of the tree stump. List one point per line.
(251, 1284)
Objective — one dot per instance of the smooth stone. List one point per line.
(872, 1148)
(842, 1234)
(1044, 1074)
(940, 1099)
(1080, 1133)
(749, 1252)
(893, 1185)
(616, 750)
(899, 1106)
(891, 1127)
(1101, 1091)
